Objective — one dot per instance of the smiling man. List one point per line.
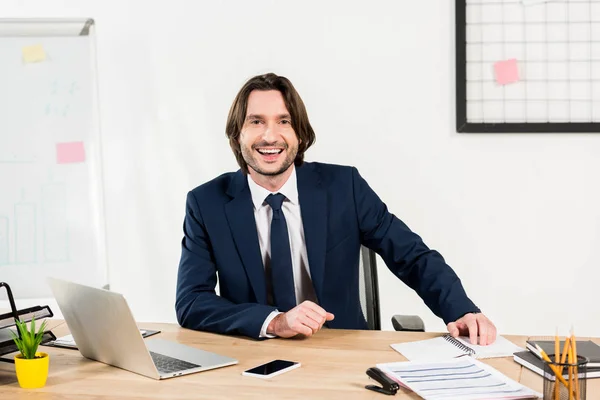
(284, 236)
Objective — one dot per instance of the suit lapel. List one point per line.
(240, 216)
(313, 208)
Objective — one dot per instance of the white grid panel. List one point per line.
(557, 48)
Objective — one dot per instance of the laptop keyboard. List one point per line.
(166, 364)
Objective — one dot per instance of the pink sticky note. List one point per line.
(67, 153)
(506, 71)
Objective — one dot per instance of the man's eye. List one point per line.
(255, 122)
(286, 121)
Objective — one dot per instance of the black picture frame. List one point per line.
(462, 126)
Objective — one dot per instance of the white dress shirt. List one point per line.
(263, 214)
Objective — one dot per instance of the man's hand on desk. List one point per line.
(474, 325)
(306, 319)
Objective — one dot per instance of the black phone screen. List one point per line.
(271, 367)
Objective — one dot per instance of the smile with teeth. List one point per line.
(269, 151)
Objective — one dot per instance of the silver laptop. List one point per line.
(104, 329)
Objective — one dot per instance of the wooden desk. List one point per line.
(333, 366)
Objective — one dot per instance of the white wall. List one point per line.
(517, 216)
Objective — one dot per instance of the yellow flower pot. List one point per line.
(32, 374)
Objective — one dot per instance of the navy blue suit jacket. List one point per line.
(339, 213)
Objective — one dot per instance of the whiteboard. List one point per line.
(51, 214)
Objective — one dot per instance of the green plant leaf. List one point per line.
(15, 337)
(42, 328)
(22, 328)
(28, 340)
(21, 349)
(18, 342)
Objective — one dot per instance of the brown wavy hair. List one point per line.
(293, 103)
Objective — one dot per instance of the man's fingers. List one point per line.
(318, 318)
(306, 318)
(462, 328)
(314, 307)
(487, 330)
(301, 325)
(491, 332)
(453, 329)
(318, 309)
(472, 327)
(303, 329)
(483, 331)
(309, 322)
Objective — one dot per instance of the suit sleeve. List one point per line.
(422, 269)
(197, 305)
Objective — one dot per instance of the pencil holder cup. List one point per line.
(564, 381)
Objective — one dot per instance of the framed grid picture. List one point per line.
(528, 65)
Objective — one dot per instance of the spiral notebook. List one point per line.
(446, 346)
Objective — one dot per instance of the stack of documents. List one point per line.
(461, 378)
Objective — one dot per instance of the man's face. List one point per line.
(268, 141)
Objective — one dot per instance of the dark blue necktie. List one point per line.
(281, 273)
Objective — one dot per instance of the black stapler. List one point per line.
(388, 386)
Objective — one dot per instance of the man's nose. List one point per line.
(271, 132)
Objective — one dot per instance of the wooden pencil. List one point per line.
(576, 362)
(570, 358)
(556, 360)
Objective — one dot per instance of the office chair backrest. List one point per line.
(368, 288)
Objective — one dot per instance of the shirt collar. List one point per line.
(289, 190)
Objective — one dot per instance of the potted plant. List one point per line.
(31, 365)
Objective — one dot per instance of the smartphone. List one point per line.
(271, 369)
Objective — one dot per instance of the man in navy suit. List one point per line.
(283, 236)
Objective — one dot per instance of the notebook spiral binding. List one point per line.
(459, 344)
